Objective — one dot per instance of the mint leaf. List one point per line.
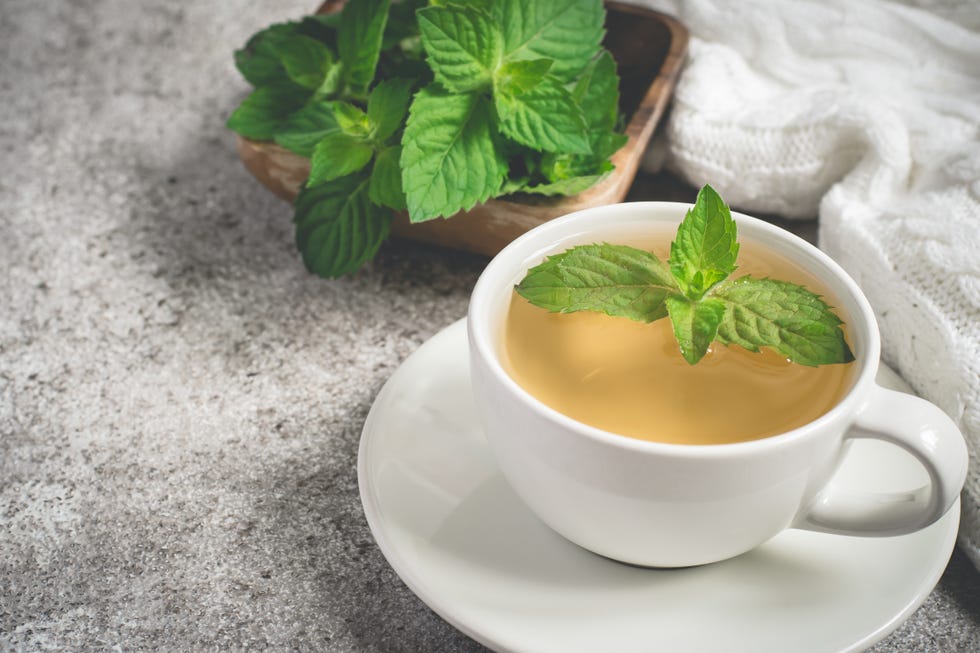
(260, 115)
(705, 248)
(543, 118)
(567, 31)
(514, 185)
(565, 187)
(386, 180)
(559, 167)
(484, 5)
(462, 44)
(450, 160)
(337, 155)
(362, 25)
(332, 82)
(258, 61)
(302, 130)
(783, 316)
(352, 120)
(605, 144)
(305, 59)
(752, 313)
(597, 92)
(695, 324)
(612, 279)
(521, 76)
(387, 106)
(338, 229)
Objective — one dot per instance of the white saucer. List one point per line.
(454, 531)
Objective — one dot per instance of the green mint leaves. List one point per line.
(784, 317)
(463, 46)
(614, 279)
(306, 60)
(359, 38)
(511, 63)
(566, 31)
(545, 117)
(302, 130)
(449, 158)
(704, 304)
(705, 250)
(263, 113)
(431, 108)
(338, 228)
(695, 324)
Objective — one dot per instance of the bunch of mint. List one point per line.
(695, 290)
(430, 109)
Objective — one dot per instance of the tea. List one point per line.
(629, 377)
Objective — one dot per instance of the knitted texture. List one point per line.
(868, 115)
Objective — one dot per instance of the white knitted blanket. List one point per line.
(868, 115)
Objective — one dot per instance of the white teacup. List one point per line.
(670, 505)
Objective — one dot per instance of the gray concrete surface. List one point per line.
(180, 403)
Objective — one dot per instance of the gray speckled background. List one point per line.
(180, 403)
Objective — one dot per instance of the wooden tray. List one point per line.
(649, 48)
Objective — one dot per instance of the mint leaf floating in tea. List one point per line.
(613, 279)
(783, 316)
(705, 249)
(695, 324)
(695, 291)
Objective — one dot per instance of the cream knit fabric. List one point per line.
(868, 115)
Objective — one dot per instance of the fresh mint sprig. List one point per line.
(695, 290)
(430, 108)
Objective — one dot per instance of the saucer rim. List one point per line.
(405, 571)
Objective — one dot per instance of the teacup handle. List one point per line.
(924, 431)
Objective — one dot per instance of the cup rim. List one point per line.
(530, 248)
